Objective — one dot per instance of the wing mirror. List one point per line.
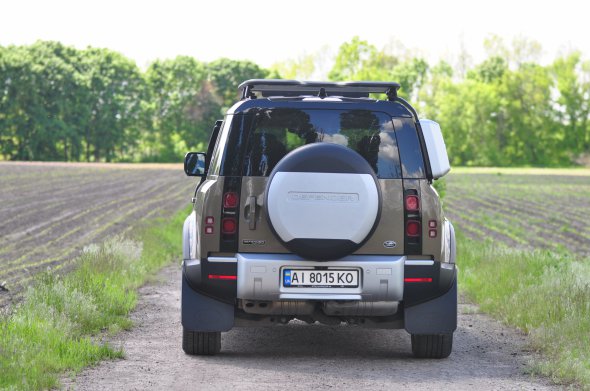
(194, 164)
(435, 145)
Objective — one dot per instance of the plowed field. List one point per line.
(526, 208)
(50, 211)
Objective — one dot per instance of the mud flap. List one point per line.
(202, 313)
(437, 316)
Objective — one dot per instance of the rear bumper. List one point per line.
(382, 278)
(259, 278)
(429, 306)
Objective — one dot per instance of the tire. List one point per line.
(432, 346)
(201, 343)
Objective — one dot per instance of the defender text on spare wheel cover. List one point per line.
(323, 201)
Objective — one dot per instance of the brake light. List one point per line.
(413, 222)
(230, 200)
(412, 203)
(413, 228)
(230, 216)
(229, 225)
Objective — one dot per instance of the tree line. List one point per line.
(62, 103)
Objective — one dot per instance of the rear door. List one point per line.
(275, 132)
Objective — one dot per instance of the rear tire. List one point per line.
(201, 343)
(432, 346)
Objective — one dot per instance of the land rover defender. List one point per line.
(315, 202)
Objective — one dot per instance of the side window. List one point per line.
(212, 143)
(215, 166)
(410, 152)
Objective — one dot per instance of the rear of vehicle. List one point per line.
(316, 203)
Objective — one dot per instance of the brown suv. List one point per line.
(316, 203)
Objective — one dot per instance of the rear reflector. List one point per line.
(229, 225)
(222, 277)
(209, 220)
(230, 200)
(209, 230)
(412, 203)
(422, 279)
(413, 228)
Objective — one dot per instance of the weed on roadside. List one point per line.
(544, 293)
(51, 331)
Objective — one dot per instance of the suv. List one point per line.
(316, 203)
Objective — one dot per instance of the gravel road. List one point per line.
(486, 355)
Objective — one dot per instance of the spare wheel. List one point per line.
(323, 201)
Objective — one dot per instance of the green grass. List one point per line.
(57, 327)
(544, 293)
(582, 171)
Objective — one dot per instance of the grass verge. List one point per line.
(543, 293)
(55, 328)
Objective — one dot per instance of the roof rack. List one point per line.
(353, 89)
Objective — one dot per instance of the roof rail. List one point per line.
(353, 89)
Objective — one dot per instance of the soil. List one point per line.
(50, 211)
(486, 355)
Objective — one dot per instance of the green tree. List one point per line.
(184, 106)
(572, 77)
(116, 89)
(226, 75)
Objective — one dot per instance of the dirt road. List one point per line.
(486, 356)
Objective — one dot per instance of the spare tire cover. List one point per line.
(323, 201)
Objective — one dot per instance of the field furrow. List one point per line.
(49, 212)
(532, 211)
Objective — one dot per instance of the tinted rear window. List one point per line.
(276, 132)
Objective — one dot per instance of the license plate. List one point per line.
(310, 278)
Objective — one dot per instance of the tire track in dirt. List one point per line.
(486, 355)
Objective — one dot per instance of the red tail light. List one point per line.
(412, 203)
(413, 228)
(420, 279)
(230, 200)
(222, 277)
(229, 225)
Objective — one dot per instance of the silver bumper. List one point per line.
(259, 278)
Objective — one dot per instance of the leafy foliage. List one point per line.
(60, 103)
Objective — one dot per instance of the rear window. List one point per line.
(276, 132)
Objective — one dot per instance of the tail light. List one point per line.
(413, 228)
(230, 214)
(412, 203)
(229, 225)
(418, 279)
(413, 222)
(230, 200)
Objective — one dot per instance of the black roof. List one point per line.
(354, 89)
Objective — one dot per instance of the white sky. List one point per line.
(268, 31)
